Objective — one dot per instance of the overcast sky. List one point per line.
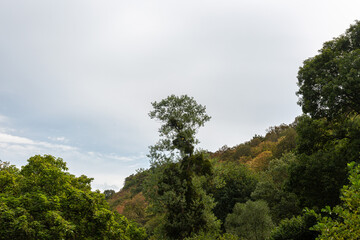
(77, 78)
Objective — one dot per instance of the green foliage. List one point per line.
(259, 151)
(109, 193)
(329, 83)
(278, 169)
(181, 118)
(180, 198)
(286, 144)
(317, 179)
(228, 236)
(324, 149)
(243, 150)
(43, 201)
(135, 181)
(238, 182)
(174, 188)
(250, 220)
(256, 140)
(270, 188)
(9, 175)
(296, 228)
(282, 204)
(313, 134)
(211, 236)
(343, 221)
(276, 132)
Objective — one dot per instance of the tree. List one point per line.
(135, 209)
(270, 188)
(323, 151)
(175, 188)
(43, 201)
(109, 193)
(343, 221)
(238, 182)
(181, 118)
(329, 83)
(250, 220)
(286, 144)
(296, 228)
(328, 135)
(211, 236)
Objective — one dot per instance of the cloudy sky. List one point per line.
(77, 76)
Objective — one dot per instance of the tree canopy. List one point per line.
(175, 189)
(329, 83)
(181, 116)
(43, 201)
(328, 135)
(250, 220)
(343, 221)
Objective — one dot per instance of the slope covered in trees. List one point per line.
(291, 173)
(235, 179)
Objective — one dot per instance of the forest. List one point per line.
(299, 181)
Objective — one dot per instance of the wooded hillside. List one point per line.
(279, 182)
(299, 181)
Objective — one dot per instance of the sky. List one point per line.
(77, 77)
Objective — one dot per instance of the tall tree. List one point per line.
(175, 187)
(330, 82)
(181, 118)
(328, 135)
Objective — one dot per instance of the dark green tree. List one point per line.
(271, 188)
(343, 221)
(250, 220)
(43, 201)
(109, 193)
(328, 136)
(329, 83)
(181, 118)
(238, 182)
(324, 149)
(176, 187)
(296, 228)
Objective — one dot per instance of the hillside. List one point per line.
(253, 155)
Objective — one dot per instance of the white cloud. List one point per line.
(58, 139)
(108, 170)
(12, 141)
(7, 138)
